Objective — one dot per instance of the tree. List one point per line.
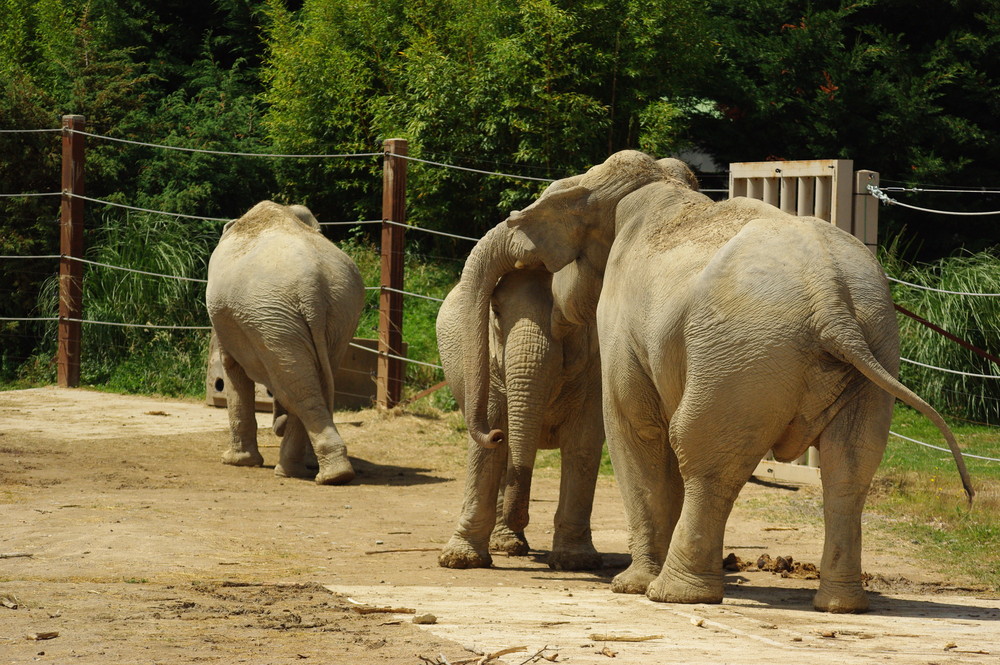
(873, 81)
(537, 87)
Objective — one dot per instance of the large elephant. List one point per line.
(284, 302)
(726, 330)
(544, 392)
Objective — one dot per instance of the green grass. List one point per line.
(919, 497)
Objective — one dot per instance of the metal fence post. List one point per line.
(389, 379)
(70, 247)
(865, 225)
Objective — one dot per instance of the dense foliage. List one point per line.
(542, 88)
(906, 88)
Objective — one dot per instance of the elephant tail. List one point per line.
(326, 368)
(848, 343)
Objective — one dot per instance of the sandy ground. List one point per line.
(123, 539)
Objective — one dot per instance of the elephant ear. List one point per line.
(552, 230)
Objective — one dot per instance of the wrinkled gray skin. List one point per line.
(726, 330)
(284, 302)
(544, 376)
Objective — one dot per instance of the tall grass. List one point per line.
(975, 319)
(134, 359)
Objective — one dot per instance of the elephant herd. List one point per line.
(623, 306)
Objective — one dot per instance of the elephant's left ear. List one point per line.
(559, 202)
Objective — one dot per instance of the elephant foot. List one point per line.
(458, 553)
(507, 541)
(841, 598)
(634, 579)
(669, 588)
(579, 559)
(293, 471)
(337, 472)
(242, 458)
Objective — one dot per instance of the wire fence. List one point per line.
(875, 191)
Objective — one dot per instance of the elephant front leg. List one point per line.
(504, 539)
(469, 546)
(572, 543)
(242, 417)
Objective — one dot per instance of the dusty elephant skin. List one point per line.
(284, 302)
(726, 330)
(544, 392)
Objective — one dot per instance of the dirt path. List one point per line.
(144, 548)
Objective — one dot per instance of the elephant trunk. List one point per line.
(531, 364)
(490, 260)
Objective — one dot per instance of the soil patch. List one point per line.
(124, 539)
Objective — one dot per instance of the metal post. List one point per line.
(865, 225)
(389, 380)
(71, 246)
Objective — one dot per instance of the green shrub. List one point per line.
(975, 319)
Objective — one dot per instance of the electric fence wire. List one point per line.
(945, 450)
(950, 371)
(226, 153)
(466, 168)
(439, 233)
(953, 293)
(880, 194)
(390, 355)
(30, 131)
(875, 191)
(146, 210)
(133, 270)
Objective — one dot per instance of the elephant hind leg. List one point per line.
(513, 543)
(242, 416)
(850, 450)
(646, 470)
(295, 449)
(298, 388)
(717, 456)
(331, 454)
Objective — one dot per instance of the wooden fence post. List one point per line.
(71, 246)
(389, 379)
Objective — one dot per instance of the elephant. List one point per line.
(726, 329)
(284, 303)
(544, 382)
